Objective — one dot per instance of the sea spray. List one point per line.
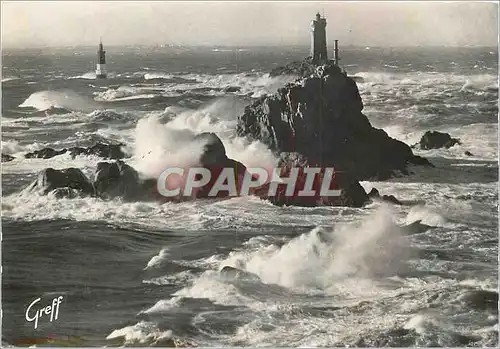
(160, 145)
(325, 258)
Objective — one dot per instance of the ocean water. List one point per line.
(142, 273)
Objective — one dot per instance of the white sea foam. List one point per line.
(158, 259)
(6, 79)
(428, 79)
(150, 76)
(86, 76)
(158, 146)
(43, 100)
(141, 333)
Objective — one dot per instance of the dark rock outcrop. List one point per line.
(302, 68)
(56, 110)
(105, 151)
(436, 140)
(374, 194)
(214, 159)
(230, 89)
(113, 179)
(468, 153)
(45, 153)
(7, 157)
(321, 118)
(416, 227)
(117, 179)
(68, 182)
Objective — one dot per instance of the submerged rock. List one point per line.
(374, 194)
(436, 140)
(56, 110)
(321, 118)
(416, 227)
(45, 153)
(7, 157)
(230, 89)
(106, 151)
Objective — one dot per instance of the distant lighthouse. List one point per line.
(318, 40)
(100, 71)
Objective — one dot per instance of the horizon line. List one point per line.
(215, 46)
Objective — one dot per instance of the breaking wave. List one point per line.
(67, 99)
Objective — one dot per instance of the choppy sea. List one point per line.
(143, 273)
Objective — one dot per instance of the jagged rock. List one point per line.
(321, 118)
(374, 194)
(7, 157)
(299, 68)
(232, 89)
(392, 199)
(117, 179)
(56, 110)
(436, 140)
(45, 153)
(304, 69)
(214, 151)
(106, 151)
(214, 159)
(61, 181)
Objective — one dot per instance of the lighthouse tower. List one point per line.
(100, 71)
(318, 40)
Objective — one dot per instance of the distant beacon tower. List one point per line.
(318, 44)
(100, 71)
(336, 58)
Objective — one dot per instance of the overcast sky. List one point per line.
(58, 23)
